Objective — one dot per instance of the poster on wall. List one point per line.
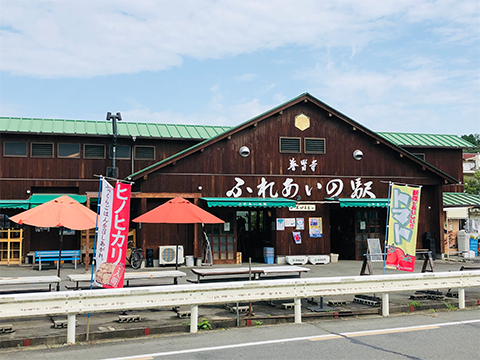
(280, 224)
(315, 227)
(300, 224)
(290, 222)
(402, 227)
(297, 237)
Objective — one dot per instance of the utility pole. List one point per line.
(112, 172)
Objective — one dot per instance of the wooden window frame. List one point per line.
(289, 152)
(144, 146)
(314, 152)
(21, 142)
(421, 156)
(91, 158)
(68, 157)
(110, 150)
(42, 143)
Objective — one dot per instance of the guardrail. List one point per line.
(80, 302)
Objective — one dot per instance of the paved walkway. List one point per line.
(40, 330)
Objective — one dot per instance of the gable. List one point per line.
(262, 134)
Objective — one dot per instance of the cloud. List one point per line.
(81, 39)
(245, 78)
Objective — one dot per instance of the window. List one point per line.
(421, 156)
(314, 146)
(144, 152)
(68, 151)
(94, 151)
(122, 152)
(13, 148)
(42, 150)
(290, 145)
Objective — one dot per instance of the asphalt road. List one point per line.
(426, 335)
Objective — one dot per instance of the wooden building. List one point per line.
(302, 162)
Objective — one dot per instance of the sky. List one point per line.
(391, 65)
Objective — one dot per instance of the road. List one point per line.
(426, 335)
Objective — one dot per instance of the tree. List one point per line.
(473, 139)
(472, 184)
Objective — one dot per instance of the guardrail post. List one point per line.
(461, 298)
(194, 318)
(385, 304)
(298, 311)
(71, 329)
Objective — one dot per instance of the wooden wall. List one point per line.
(215, 168)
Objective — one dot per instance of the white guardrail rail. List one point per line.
(71, 303)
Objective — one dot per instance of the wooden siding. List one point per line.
(215, 168)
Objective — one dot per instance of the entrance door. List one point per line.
(368, 224)
(223, 240)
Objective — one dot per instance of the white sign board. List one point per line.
(374, 250)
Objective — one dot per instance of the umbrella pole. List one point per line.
(60, 256)
(176, 257)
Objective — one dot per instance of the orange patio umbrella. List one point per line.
(60, 212)
(178, 211)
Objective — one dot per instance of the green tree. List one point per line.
(472, 184)
(473, 139)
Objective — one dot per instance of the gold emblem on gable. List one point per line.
(302, 122)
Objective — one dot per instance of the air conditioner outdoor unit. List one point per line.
(167, 255)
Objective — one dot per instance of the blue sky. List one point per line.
(392, 65)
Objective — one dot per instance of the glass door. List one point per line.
(223, 240)
(369, 224)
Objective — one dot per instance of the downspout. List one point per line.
(133, 154)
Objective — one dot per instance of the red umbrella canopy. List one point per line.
(63, 211)
(178, 211)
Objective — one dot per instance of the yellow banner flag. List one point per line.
(402, 227)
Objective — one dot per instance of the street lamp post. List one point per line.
(114, 118)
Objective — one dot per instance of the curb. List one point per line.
(221, 324)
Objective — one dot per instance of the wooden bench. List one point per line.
(26, 280)
(256, 271)
(52, 255)
(129, 276)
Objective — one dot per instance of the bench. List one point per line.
(256, 271)
(129, 276)
(27, 280)
(52, 255)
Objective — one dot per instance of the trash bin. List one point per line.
(149, 258)
(189, 260)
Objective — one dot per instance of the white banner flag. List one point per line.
(104, 226)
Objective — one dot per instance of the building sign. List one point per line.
(402, 227)
(114, 219)
(290, 189)
(303, 207)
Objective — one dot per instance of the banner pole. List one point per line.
(94, 249)
(386, 228)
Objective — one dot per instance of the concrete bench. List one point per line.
(15, 282)
(53, 255)
(129, 276)
(255, 271)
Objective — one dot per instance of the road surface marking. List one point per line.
(279, 341)
(374, 332)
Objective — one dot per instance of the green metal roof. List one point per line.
(460, 199)
(249, 202)
(426, 140)
(104, 128)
